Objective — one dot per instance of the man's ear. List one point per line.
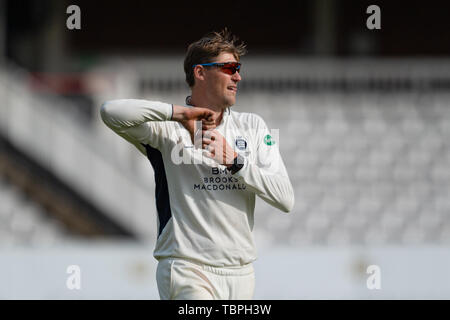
(199, 73)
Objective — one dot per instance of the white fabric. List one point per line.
(179, 279)
(212, 211)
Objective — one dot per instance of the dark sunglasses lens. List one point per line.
(231, 68)
(228, 70)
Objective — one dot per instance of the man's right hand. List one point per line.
(188, 117)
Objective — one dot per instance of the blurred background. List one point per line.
(364, 119)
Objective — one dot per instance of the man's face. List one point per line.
(220, 86)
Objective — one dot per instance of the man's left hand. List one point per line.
(218, 148)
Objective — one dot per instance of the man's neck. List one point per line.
(202, 102)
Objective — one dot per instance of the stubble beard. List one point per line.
(229, 101)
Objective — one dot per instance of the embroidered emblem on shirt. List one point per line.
(268, 140)
(241, 144)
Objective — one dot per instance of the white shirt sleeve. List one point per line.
(137, 121)
(267, 176)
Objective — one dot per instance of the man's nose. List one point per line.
(236, 77)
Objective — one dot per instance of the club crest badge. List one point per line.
(241, 143)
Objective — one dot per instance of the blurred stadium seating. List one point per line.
(366, 146)
(367, 168)
(368, 165)
(23, 223)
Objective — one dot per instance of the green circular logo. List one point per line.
(268, 140)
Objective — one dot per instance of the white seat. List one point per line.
(391, 220)
(412, 127)
(419, 157)
(413, 234)
(444, 234)
(440, 173)
(341, 158)
(375, 236)
(429, 220)
(316, 221)
(328, 174)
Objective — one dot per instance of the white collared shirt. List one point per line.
(205, 213)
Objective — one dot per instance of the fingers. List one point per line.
(206, 116)
(206, 127)
(210, 134)
(211, 150)
(202, 114)
(209, 116)
(208, 119)
(210, 142)
(206, 142)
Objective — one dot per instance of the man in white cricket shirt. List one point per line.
(206, 178)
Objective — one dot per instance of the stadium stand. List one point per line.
(366, 146)
(23, 222)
